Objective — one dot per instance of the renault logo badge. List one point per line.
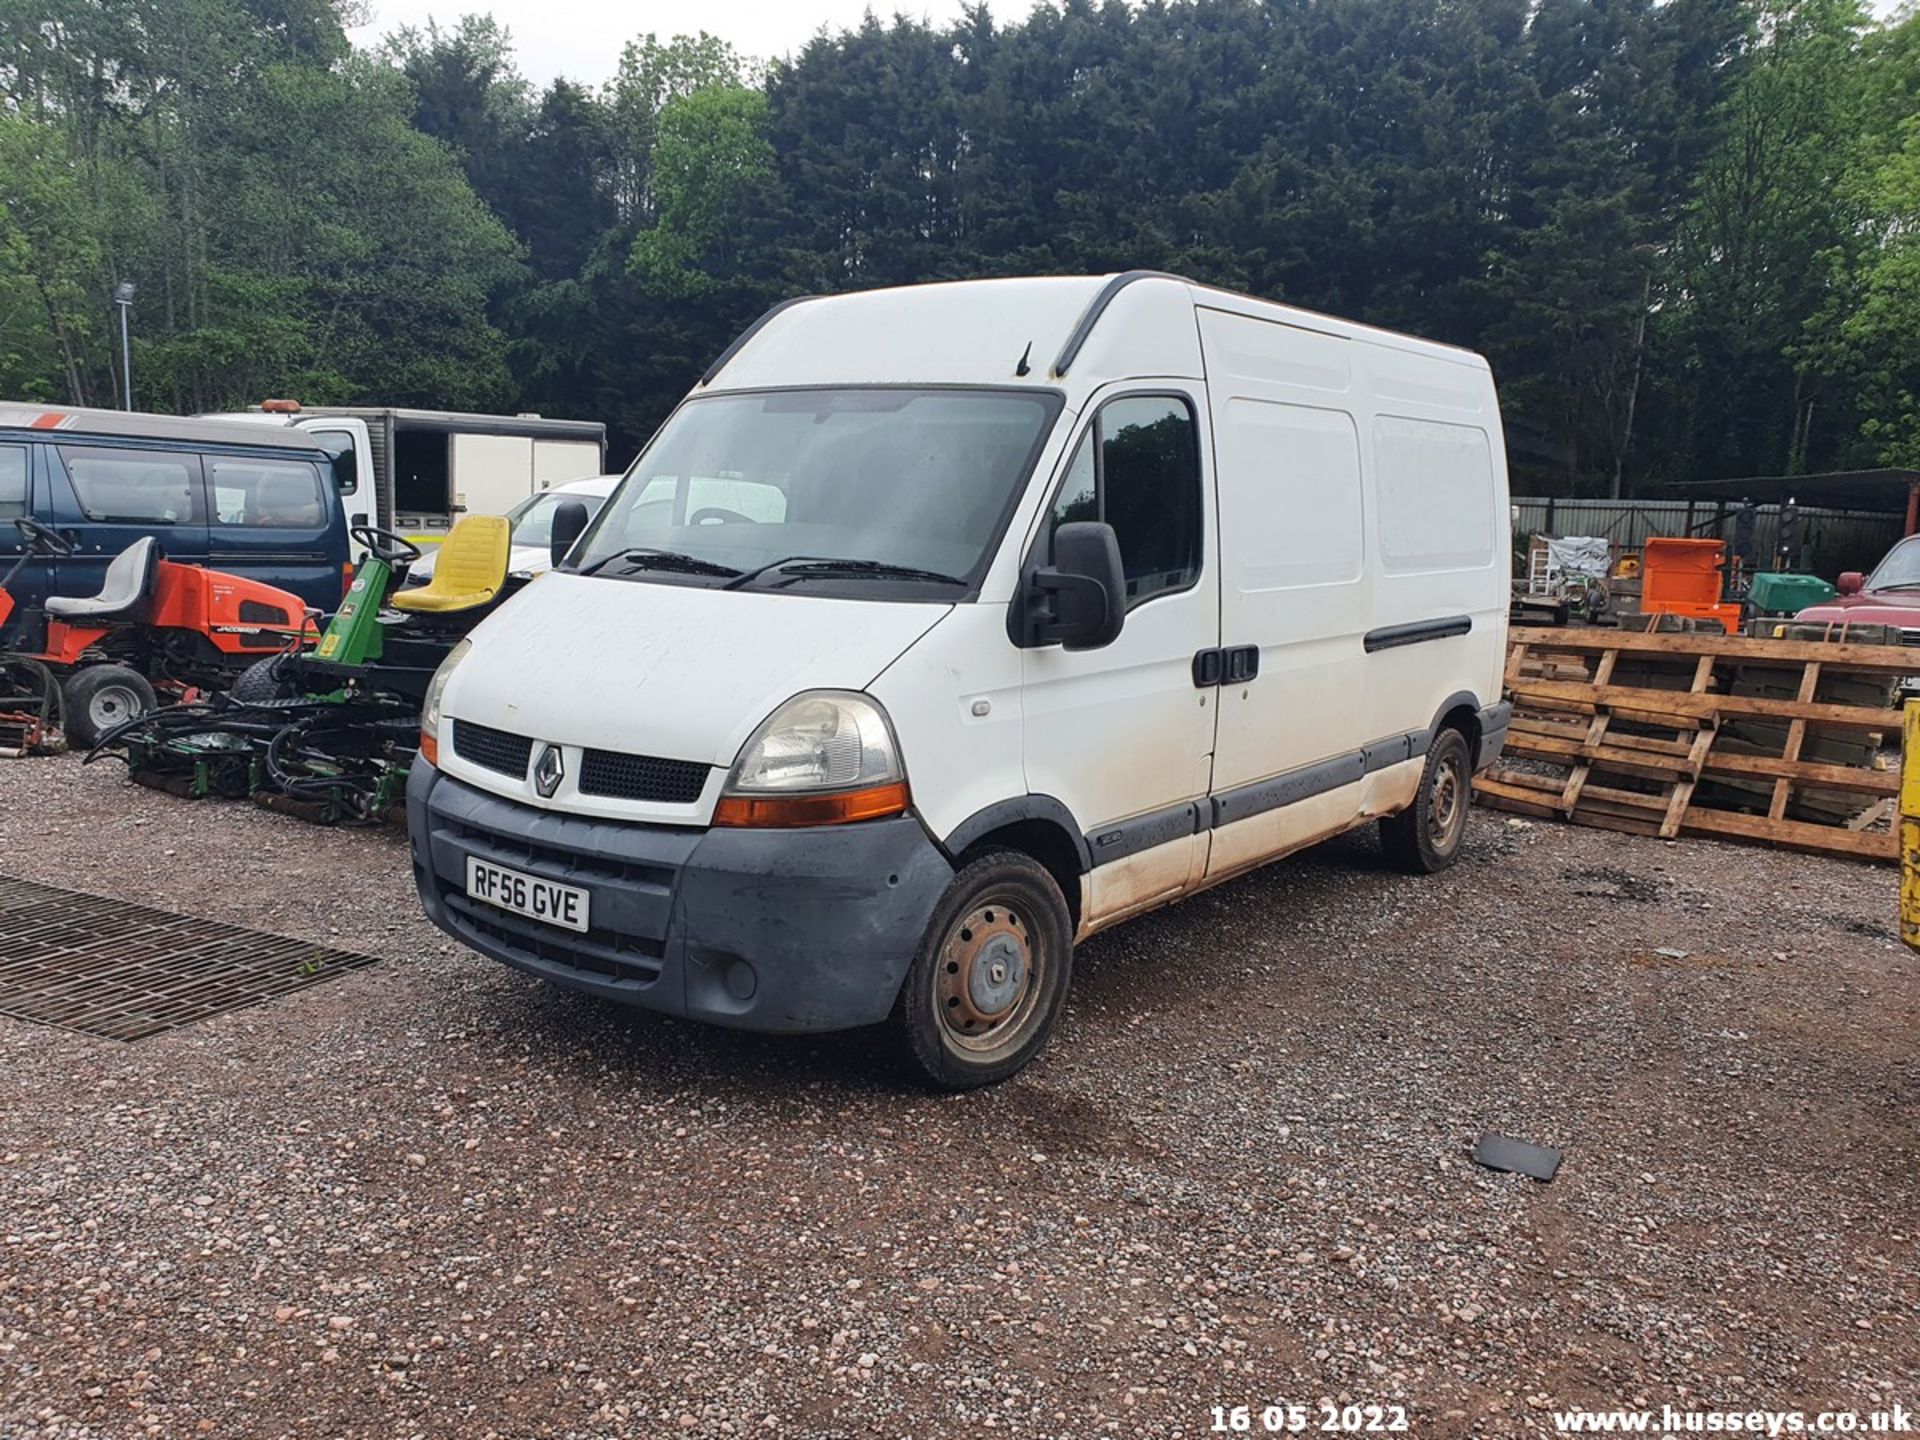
(548, 772)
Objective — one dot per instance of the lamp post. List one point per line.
(123, 297)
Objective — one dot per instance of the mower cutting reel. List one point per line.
(31, 712)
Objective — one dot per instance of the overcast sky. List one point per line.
(581, 39)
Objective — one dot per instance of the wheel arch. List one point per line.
(1459, 711)
(1035, 825)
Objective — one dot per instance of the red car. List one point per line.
(1889, 596)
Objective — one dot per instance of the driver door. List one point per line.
(1123, 735)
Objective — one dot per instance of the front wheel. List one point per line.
(1425, 837)
(100, 697)
(990, 977)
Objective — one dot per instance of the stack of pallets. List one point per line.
(1781, 742)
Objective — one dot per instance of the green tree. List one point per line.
(712, 170)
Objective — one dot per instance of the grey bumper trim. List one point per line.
(778, 930)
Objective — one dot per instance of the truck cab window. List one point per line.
(1139, 470)
(339, 447)
(13, 485)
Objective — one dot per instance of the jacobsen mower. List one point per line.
(329, 733)
(157, 632)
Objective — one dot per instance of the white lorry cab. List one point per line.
(942, 627)
(415, 472)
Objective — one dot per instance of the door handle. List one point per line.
(1233, 666)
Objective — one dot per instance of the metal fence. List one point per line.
(1826, 541)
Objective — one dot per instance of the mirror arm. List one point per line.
(1042, 624)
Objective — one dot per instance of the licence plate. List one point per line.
(522, 894)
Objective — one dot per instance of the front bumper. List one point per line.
(777, 930)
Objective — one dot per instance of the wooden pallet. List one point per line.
(1619, 730)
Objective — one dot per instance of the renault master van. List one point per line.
(943, 627)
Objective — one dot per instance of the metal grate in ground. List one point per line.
(124, 972)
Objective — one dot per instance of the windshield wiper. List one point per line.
(828, 567)
(1897, 585)
(646, 558)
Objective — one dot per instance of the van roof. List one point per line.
(74, 421)
(1136, 323)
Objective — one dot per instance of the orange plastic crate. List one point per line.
(1682, 577)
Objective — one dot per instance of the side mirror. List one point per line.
(1081, 599)
(569, 520)
(1851, 582)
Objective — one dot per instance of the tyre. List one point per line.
(100, 697)
(990, 977)
(1425, 837)
(262, 680)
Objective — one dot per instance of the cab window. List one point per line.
(139, 487)
(266, 493)
(339, 447)
(1138, 469)
(13, 485)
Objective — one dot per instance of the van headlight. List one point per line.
(436, 691)
(823, 758)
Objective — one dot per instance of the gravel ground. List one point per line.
(435, 1198)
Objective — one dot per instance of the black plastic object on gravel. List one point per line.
(124, 972)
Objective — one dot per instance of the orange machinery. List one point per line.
(1682, 577)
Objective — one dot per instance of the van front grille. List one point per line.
(492, 749)
(642, 777)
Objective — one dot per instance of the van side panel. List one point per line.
(1295, 579)
(1440, 548)
(1362, 493)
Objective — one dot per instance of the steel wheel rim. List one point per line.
(989, 978)
(1447, 806)
(111, 704)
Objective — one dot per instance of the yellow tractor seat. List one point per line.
(468, 570)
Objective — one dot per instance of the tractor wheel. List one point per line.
(100, 697)
(261, 681)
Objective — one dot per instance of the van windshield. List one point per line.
(849, 491)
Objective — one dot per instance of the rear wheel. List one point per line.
(990, 977)
(100, 697)
(262, 680)
(1425, 837)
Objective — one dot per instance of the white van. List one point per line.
(942, 627)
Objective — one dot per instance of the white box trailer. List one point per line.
(417, 471)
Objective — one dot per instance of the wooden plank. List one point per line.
(1794, 834)
(1617, 755)
(1625, 698)
(1872, 815)
(1840, 655)
(1683, 791)
(1716, 824)
(1596, 732)
(1796, 737)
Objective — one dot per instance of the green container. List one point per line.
(1775, 593)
